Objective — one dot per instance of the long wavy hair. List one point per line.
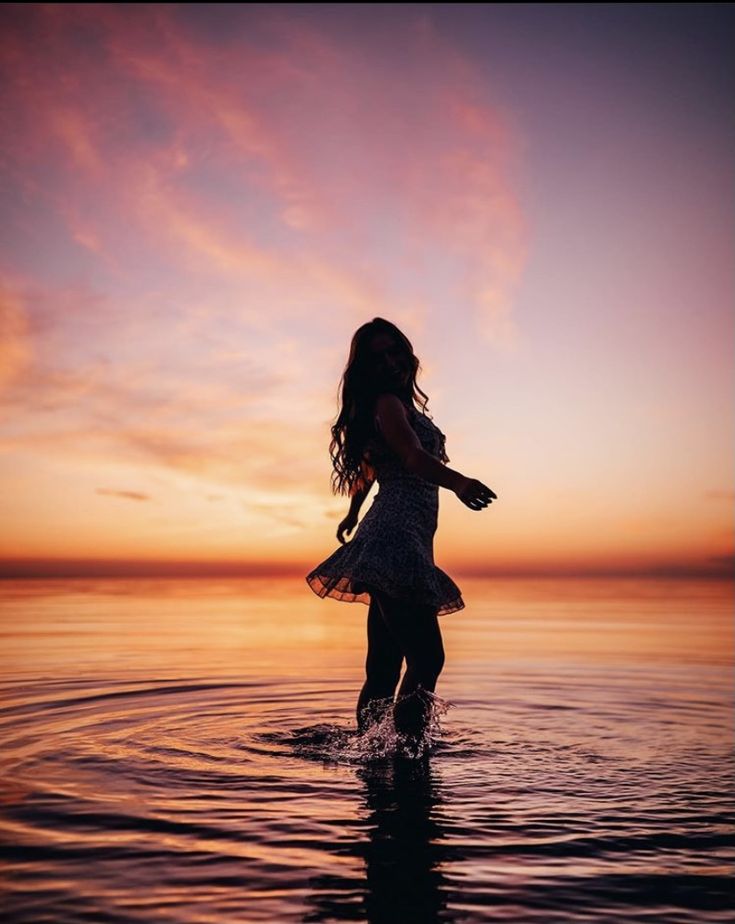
(360, 386)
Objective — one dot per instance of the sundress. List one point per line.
(392, 548)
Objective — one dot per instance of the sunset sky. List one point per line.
(202, 203)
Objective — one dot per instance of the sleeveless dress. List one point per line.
(392, 547)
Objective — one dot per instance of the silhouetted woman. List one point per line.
(380, 435)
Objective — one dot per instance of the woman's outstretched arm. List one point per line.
(403, 440)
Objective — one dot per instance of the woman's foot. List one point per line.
(411, 715)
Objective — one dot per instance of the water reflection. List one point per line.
(187, 752)
(402, 849)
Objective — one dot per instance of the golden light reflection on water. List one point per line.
(204, 627)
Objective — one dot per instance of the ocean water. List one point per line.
(186, 751)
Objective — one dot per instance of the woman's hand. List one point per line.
(475, 494)
(346, 526)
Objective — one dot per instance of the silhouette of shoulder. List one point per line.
(391, 417)
(389, 405)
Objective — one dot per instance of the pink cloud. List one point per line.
(305, 163)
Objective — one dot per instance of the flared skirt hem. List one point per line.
(355, 590)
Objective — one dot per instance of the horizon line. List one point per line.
(721, 568)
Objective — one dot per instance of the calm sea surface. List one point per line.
(185, 751)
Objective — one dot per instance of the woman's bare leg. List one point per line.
(382, 667)
(416, 631)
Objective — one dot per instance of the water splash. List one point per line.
(377, 739)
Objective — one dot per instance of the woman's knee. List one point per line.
(383, 672)
(440, 659)
(428, 662)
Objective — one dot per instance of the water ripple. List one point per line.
(544, 790)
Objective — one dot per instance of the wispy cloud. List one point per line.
(129, 495)
(720, 494)
(15, 349)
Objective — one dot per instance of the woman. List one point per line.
(381, 436)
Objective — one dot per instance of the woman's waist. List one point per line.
(405, 511)
(405, 482)
(408, 498)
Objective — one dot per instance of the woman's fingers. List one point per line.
(476, 495)
(480, 497)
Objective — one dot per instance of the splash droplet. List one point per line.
(378, 737)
